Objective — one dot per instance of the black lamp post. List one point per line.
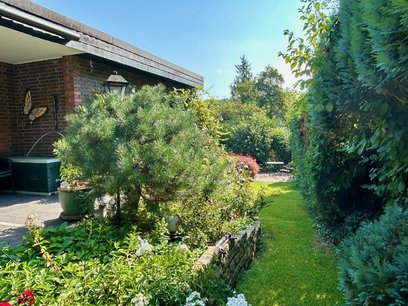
(115, 83)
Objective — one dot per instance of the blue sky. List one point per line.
(206, 36)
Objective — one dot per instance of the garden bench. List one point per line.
(287, 169)
(6, 171)
(274, 166)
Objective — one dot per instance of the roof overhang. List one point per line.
(32, 33)
(29, 45)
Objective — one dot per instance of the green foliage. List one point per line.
(377, 57)
(208, 118)
(232, 112)
(251, 136)
(88, 260)
(228, 211)
(265, 90)
(271, 96)
(146, 148)
(300, 52)
(254, 121)
(374, 264)
(350, 145)
(247, 92)
(280, 147)
(331, 181)
(250, 131)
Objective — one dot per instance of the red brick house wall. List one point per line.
(72, 79)
(7, 114)
(85, 74)
(45, 79)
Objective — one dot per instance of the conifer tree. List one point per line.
(243, 79)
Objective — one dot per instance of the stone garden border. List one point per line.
(231, 255)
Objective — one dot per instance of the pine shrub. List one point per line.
(374, 263)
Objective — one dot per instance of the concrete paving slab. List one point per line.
(14, 210)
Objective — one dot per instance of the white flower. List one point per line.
(145, 247)
(140, 300)
(239, 300)
(33, 223)
(194, 299)
(182, 247)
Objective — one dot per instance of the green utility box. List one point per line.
(35, 175)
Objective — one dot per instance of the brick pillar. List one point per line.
(71, 71)
(7, 111)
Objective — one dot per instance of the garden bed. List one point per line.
(97, 263)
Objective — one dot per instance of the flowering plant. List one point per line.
(145, 247)
(194, 299)
(35, 227)
(26, 298)
(139, 300)
(239, 300)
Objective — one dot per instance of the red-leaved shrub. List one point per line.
(246, 163)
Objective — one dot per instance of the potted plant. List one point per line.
(73, 195)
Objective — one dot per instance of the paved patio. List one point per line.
(14, 210)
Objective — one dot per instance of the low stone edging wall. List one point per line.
(232, 254)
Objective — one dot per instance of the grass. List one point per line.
(293, 268)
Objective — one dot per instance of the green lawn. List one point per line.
(292, 268)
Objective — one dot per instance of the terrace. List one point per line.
(14, 210)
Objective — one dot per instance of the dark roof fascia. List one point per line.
(101, 44)
(31, 31)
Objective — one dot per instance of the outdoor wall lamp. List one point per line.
(115, 83)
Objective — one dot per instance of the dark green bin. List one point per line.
(36, 175)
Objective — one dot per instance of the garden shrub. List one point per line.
(280, 147)
(251, 136)
(374, 263)
(229, 211)
(208, 117)
(145, 149)
(250, 131)
(246, 164)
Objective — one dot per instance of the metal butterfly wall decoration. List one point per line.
(32, 112)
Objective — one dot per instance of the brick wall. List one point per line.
(86, 74)
(7, 115)
(72, 79)
(45, 79)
